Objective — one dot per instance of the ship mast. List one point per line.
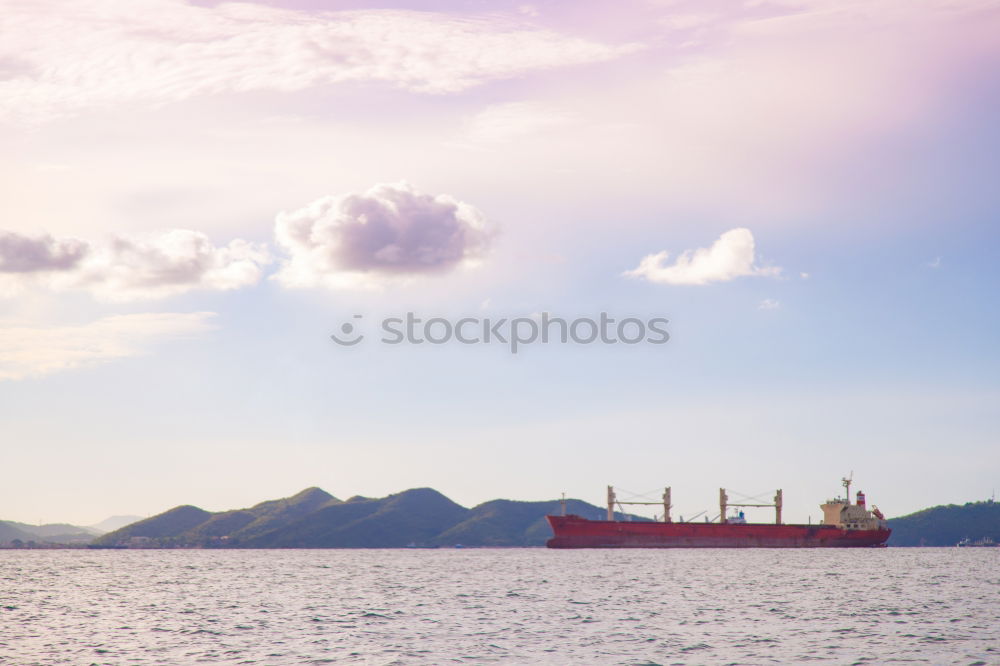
(725, 504)
(847, 487)
(613, 500)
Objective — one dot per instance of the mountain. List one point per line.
(315, 519)
(11, 531)
(191, 526)
(412, 517)
(275, 514)
(243, 525)
(168, 527)
(113, 523)
(52, 533)
(947, 525)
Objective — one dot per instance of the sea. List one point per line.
(500, 606)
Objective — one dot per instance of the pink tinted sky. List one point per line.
(856, 140)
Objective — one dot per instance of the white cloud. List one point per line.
(388, 233)
(37, 351)
(502, 122)
(730, 257)
(768, 304)
(934, 263)
(26, 254)
(64, 56)
(123, 268)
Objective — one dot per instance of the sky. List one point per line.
(196, 195)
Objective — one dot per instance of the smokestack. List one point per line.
(861, 499)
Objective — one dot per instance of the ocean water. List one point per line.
(507, 606)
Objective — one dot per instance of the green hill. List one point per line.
(222, 524)
(165, 527)
(11, 531)
(62, 533)
(315, 519)
(275, 514)
(947, 525)
(190, 526)
(412, 517)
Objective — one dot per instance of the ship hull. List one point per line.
(576, 532)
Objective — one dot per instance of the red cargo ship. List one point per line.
(845, 525)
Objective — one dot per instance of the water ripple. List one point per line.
(516, 606)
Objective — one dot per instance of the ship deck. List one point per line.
(577, 532)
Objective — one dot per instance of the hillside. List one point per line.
(412, 517)
(167, 527)
(947, 525)
(11, 531)
(191, 526)
(315, 519)
(276, 514)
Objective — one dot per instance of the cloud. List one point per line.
(169, 263)
(75, 55)
(37, 351)
(768, 304)
(934, 263)
(124, 268)
(730, 257)
(24, 254)
(388, 233)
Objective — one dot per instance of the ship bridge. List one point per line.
(841, 513)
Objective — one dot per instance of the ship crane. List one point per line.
(613, 500)
(724, 504)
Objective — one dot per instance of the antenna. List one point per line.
(847, 485)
